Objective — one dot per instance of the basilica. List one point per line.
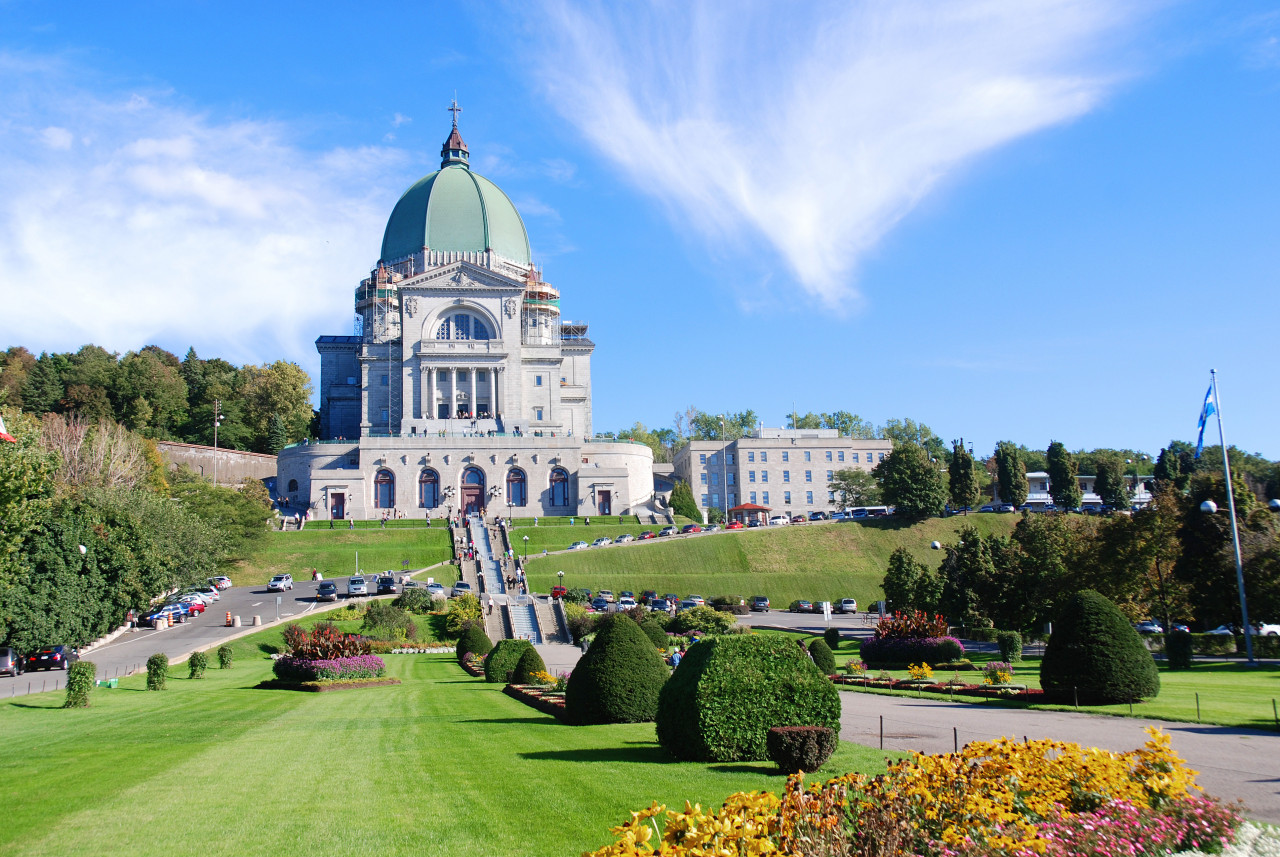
(463, 389)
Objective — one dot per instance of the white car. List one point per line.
(356, 587)
(1269, 630)
(1222, 631)
(779, 521)
(577, 546)
(209, 591)
(197, 595)
(220, 582)
(461, 588)
(625, 603)
(280, 583)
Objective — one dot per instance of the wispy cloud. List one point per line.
(816, 127)
(127, 220)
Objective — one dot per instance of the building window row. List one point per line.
(430, 495)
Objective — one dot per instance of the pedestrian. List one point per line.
(490, 605)
(351, 525)
(331, 523)
(587, 521)
(535, 520)
(571, 522)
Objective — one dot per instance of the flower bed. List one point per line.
(543, 699)
(993, 799)
(299, 670)
(1014, 691)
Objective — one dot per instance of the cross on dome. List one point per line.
(455, 110)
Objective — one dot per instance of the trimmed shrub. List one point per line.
(80, 678)
(930, 650)
(798, 749)
(581, 623)
(831, 637)
(823, 658)
(1178, 649)
(463, 610)
(332, 669)
(654, 632)
(226, 657)
(735, 604)
(197, 664)
(1010, 643)
(415, 601)
(730, 691)
(530, 662)
(502, 661)
(662, 618)
(1094, 652)
(704, 620)
(157, 671)
(618, 679)
(385, 621)
(474, 641)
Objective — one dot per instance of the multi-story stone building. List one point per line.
(785, 470)
(463, 387)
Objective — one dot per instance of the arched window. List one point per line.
(473, 476)
(517, 487)
(384, 490)
(428, 489)
(559, 487)
(462, 326)
(293, 484)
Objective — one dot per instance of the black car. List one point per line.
(50, 658)
(647, 596)
(760, 604)
(387, 586)
(328, 591)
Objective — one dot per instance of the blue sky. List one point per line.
(1024, 221)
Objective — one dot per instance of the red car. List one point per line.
(194, 605)
(691, 528)
(735, 525)
(647, 534)
(559, 592)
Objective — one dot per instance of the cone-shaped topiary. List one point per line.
(619, 677)
(474, 641)
(502, 661)
(730, 691)
(823, 658)
(1095, 655)
(655, 632)
(530, 662)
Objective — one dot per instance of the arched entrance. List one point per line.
(472, 490)
(384, 490)
(428, 489)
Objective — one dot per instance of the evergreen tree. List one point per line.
(1064, 487)
(43, 390)
(963, 488)
(1110, 484)
(911, 482)
(910, 584)
(276, 435)
(682, 502)
(1011, 473)
(964, 571)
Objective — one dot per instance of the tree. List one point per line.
(910, 584)
(911, 482)
(26, 487)
(1095, 656)
(277, 438)
(849, 425)
(966, 564)
(15, 363)
(149, 393)
(42, 391)
(909, 431)
(682, 502)
(963, 485)
(281, 388)
(1110, 483)
(618, 679)
(1175, 466)
(1011, 473)
(805, 421)
(855, 488)
(704, 426)
(1064, 487)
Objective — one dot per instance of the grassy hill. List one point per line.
(814, 561)
(333, 552)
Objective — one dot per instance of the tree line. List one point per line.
(153, 393)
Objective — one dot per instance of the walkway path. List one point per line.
(1233, 763)
(490, 569)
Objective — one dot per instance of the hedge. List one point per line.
(1010, 643)
(618, 679)
(157, 671)
(197, 663)
(473, 642)
(1095, 656)
(333, 669)
(530, 662)
(80, 678)
(798, 749)
(730, 691)
(656, 634)
(823, 658)
(897, 650)
(502, 661)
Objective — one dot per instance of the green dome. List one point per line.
(455, 210)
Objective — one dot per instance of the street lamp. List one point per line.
(526, 550)
(217, 421)
(1134, 462)
(1209, 507)
(560, 574)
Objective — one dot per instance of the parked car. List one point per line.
(734, 525)
(606, 594)
(601, 542)
(801, 606)
(436, 589)
(647, 596)
(691, 528)
(194, 604)
(847, 605)
(667, 531)
(624, 538)
(817, 516)
(659, 605)
(327, 591)
(204, 599)
(10, 661)
(1178, 626)
(646, 535)
(671, 597)
(687, 605)
(1005, 508)
(779, 521)
(460, 588)
(387, 585)
(1149, 627)
(626, 593)
(599, 605)
(989, 507)
(859, 514)
(559, 592)
(697, 599)
(210, 593)
(838, 516)
(799, 519)
(356, 587)
(1265, 630)
(50, 658)
(280, 583)
(821, 606)
(711, 528)
(625, 603)
(221, 582)
(760, 604)
(756, 522)
(1223, 631)
(577, 546)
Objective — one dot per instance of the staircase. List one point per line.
(524, 619)
(552, 628)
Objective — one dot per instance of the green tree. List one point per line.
(1110, 484)
(149, 393)
(963, 486)
(704, 426)
(277, 438)
(26, 488)
(910, 584)
(908, 431)
(15, 363)
(1064, 486)
(281, 388)
(855, 487)
(911, 482)
(1011, 473)
(964, 569)
(683, 503)
(849, 425)
(42, 391)
(239, 516)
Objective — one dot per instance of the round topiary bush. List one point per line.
(157, 671)
(655, 632)
(730, 691)
(1178, 649)
(502, 661)
(80, 678)
(197, 664)
(1095, 655)
(823, 658)
(704, 620)
(1010, 643)
(474, 642)
(530, 662)
(226, 657)
(800, 748)
(619, 677)
(831, 637)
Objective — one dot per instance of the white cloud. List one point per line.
(816, 127)
(172, 227)
(400, 119)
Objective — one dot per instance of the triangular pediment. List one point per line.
(461, 277)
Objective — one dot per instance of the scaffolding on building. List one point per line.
(378, 303)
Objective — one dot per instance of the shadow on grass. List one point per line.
(534, 719)
(766, 769)
(36, 707)
(639, 755)
(269, 648)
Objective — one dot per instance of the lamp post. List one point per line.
(560, 574)
(217, 421)
(1136, 475)
(526, 550)
(724, 464)
(1209, 507)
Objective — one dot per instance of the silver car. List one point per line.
(357, 586)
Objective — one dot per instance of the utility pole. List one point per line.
(217, 421)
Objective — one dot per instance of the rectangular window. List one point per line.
(881, 456)
(732, 479)
(764, 476)
(831, 496)
(537, 380)
(751, 476)
(715, 500)
(751, 457)
(386, 380)
(840, 455)
(808, 476)
(753, 496)
(537, 413)
(765, 499)
(786, 456)
(384, 413)
(704, 478)
(830, 475)
(729, 457)
(705, 498)
(808, 497)
(702, 458)
(764, 456)
(806, 455)
(855, 457)
(786, 498)
(715, 478)
(786, 476)
(732, 498)
(828, 455)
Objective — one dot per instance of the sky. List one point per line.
(1020, 220)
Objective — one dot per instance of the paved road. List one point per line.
(1233, 763)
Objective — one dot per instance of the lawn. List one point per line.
(333, 552)
(441, 764)
(814, 561)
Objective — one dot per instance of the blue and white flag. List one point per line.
(1205, 412)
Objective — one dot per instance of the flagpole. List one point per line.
(1235, 530)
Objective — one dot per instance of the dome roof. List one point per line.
(455, 210)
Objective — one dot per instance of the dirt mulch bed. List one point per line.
(326, 686)
(477, 670)
(537, 698)
(1030, 695)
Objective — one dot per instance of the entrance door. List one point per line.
(605, 502)
(339, 506)
(471, 495)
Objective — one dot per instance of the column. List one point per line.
(493, 381)
(453, 390)
(472, 375)
(429, 390)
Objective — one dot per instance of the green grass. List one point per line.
(441, 764)
(814, 561)
(333, 552)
